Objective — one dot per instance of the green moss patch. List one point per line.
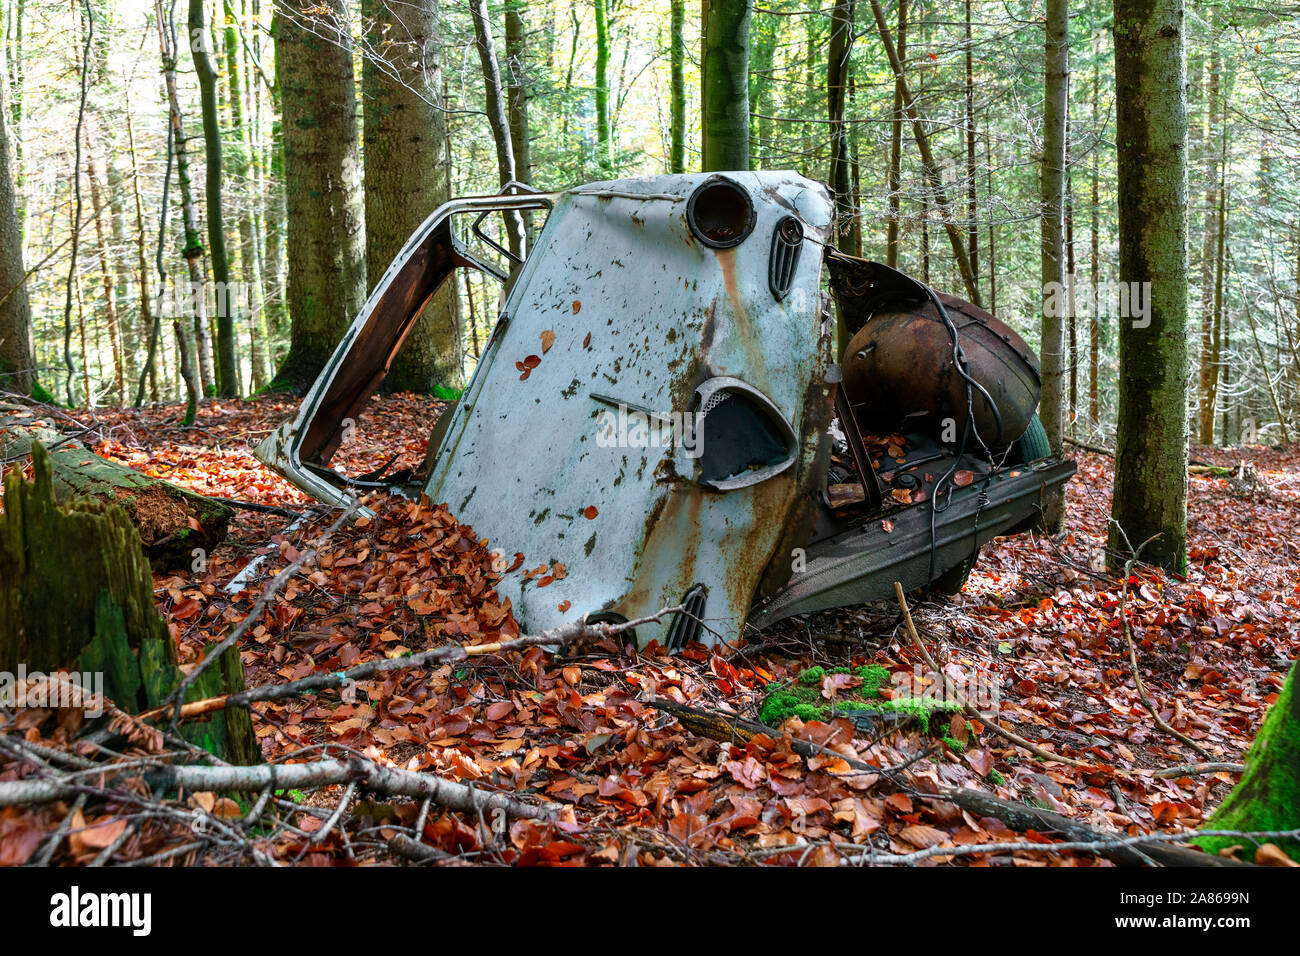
(803, 698)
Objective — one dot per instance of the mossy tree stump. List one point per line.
(76, 593)
(171, 521)
(1268, 795)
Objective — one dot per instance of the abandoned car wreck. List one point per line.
(661, 407)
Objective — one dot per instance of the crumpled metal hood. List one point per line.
(620, 303)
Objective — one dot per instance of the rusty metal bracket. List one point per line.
(849, 423)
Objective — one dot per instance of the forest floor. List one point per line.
(1039, 621)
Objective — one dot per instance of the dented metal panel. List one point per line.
(654, 322)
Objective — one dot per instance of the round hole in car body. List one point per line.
(720, 213)
(743, 437)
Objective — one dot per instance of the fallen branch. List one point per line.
(1022, 817)
(1132, 652)
(178, 693)
(1107, 847)
(1017, 816)
(1110, 453)
(403, 845)
(366, 774)
(558, 636)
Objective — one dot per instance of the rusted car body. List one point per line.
(650, 424)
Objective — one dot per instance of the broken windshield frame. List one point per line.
(300, 450)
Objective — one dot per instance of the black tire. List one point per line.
(1032, 445)
(954, 579)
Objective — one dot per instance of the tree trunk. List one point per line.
(497, 119)
(972, 197)
(188, 378)
(1051, 407)
(200, 50)
(407, 175)
(1094, 237)
(724, 78)
(677, 67)
(837, 78)
(1211, 231)
(106, 275)
(326, 229)
(896, 145)
(764, 34)
(1268, 795)
(242, 173)
(149, 319)
(17, 360)
(933, 175)
(76, 594)
(517, 88)
(164, 515)
(192, 250)
(1150, 496)
(604, 137)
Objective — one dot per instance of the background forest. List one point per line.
(382, 109)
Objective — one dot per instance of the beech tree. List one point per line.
(322, 177)
(407, 175)
(1150, 498)
(724, 78)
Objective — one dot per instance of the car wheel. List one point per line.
(1032, 445)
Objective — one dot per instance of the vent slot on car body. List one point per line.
(787, 241)
(743, 438)
(689, 621)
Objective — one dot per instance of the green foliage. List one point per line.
(447, 394)
(42, 394)
(803, 699)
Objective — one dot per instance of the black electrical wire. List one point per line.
(959, 362)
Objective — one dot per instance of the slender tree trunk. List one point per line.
(1149, 502)
(935, 178)
(132, 332)
(1051, 408)
(497, 120)
(677, 67)
(106, 274)
(517, 87)
(764, 33)
(326, 228)
(200, 50)
(242, 175)
(724, 78)
(837, 78)
(148, 319)
(1215, 372)
(1094, 237)
(17, 359)
(972, 197)
(993, 249)
(604, 144)
(896, 145)
(192, 250)
(408, 175)
(1211, 230)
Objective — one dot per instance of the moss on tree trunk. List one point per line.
(1268, 795)
(76, 593)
